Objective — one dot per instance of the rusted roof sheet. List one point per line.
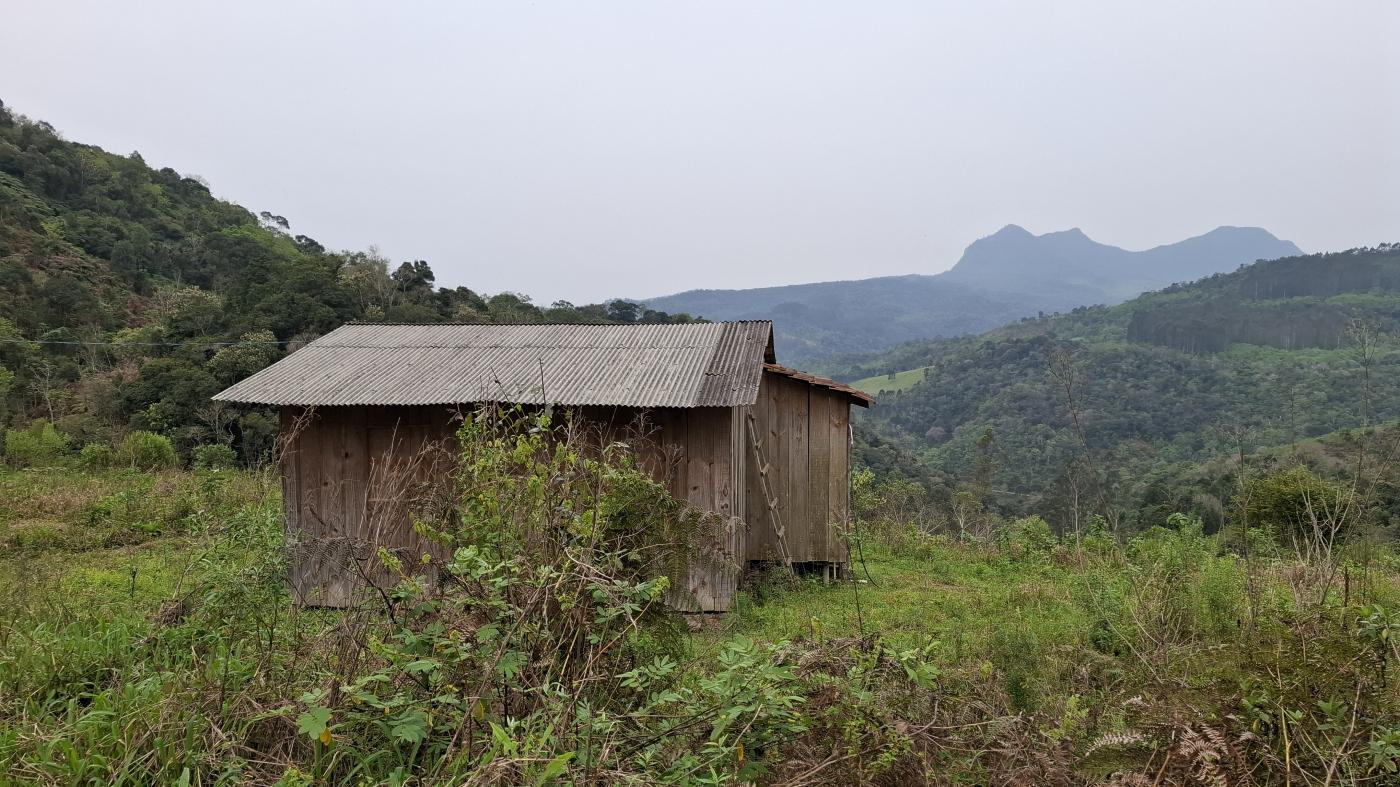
(858, 396)
(689, 365)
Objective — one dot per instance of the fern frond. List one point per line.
(1115, 740)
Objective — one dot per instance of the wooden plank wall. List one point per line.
(820, 536)
(738, 450)
(838, 476)
(351, 479)
(693, 452)
(763, 544)
(353, 476)
(711, 471)
(805, 442)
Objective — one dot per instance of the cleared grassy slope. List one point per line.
(882, 382)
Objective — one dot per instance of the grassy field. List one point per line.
(882, 382)
(147, 638)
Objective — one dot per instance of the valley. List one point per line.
(1115, 519)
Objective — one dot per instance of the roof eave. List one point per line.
(856, 395)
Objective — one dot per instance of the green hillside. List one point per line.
(1212, 596)
(129, 295)
(1100, 399)
(893, 381)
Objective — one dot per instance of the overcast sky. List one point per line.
(585, 150)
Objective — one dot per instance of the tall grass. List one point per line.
(543, 651)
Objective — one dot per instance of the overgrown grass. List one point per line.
(947, 593)
(1114, 656)
(67, 509)
(107, 655)
(178, 657)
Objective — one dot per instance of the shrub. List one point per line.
(1030, 539)
(259, 437)
(215, 457)
(96, 456)
(1015, 649)
(1181, 584)
(147, 451)
(148, 505)
(40, 445)
(553, 634)
(1296, 505)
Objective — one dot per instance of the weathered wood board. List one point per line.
(805, 445)
(353, 477)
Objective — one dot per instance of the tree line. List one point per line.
(131, 294)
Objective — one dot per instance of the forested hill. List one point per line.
(130, 294)
(1121, 398)
(1004, 277)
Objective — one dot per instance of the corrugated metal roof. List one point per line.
(689, 365)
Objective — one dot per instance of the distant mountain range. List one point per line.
(999, 279)
(1159, 382)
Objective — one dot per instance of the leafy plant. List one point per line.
(38, 445)
(147, 451)
(96, 456)
(215, 457)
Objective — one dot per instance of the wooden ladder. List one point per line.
(765, 485)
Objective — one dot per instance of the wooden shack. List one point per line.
(368, 413)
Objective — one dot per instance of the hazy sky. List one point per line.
(583, 150)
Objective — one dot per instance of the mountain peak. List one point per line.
(1225, 242)
(1000, 278)
(1231, 228)
(1014, 260)
(1012, 231)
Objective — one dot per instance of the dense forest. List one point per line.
(129, 295)
(1113, 407)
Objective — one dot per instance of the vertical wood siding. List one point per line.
(805, 443)
(696, 453)
(353, 476)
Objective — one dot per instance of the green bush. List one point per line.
(147, 451)
(1182, 583)
(96, 456)
(1030, 539)
(1290, 504)
(40, 445)
(215, 457)
(1015, 649)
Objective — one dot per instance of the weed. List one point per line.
(150, 638)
